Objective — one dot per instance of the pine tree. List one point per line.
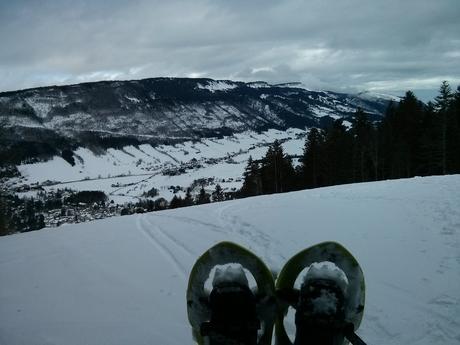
(402, 141)
(40, 222)
(29, 214)
(337, 152)
(149, 205)
(218, 194)
(386, 134)
(278, 174)
(429, 152)
(176, 202)
(414, 111)
(312, 168)
(4, 230)
(160, 204)
(443, 104)
(445, 98)
(203, 197)
(455, 147)
(363, 137)
(188, 200)
(252, 184)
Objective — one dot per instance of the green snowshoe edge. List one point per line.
(226, 253)
(342, 258)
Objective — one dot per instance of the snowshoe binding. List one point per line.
(330, 302)
(232, 312)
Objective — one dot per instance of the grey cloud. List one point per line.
(340, 45)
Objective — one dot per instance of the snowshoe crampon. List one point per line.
(231, 312)
(329, 304)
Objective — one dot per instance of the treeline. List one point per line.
(87, 197)
(20, 215)
(413, 139)
(177, 201)
(201, 198)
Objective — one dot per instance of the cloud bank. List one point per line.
(348, 45)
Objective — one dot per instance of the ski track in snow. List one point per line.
(172, 239)
(263, 244)
(234, 224)
(146, 228)
(204, 225)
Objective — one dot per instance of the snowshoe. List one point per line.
(232, 312)
(330, 302)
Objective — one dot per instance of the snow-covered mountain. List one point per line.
(164, 110)
(123, 280)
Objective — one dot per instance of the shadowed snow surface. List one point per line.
(123, 280)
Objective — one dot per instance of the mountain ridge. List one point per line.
(159, 110)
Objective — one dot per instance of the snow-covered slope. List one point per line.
(125, 174)
(122, 280)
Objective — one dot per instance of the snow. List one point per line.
(327, 270)
(218, 85)
(122, 280)
(333, 109)
(370, 95)
(326, 303)
(295, 85)
(321, 111)
(134, 99)
(230, 274)
(347, 124)
(41, 105)
(125, 174)
(258, 85)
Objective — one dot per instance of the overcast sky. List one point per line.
(343, 45)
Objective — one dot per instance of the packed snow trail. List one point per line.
(123, 280)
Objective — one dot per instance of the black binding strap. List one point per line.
(352, 337)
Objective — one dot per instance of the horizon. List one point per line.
(423, 95)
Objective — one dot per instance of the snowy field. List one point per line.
(124, 175)
(122, 280)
